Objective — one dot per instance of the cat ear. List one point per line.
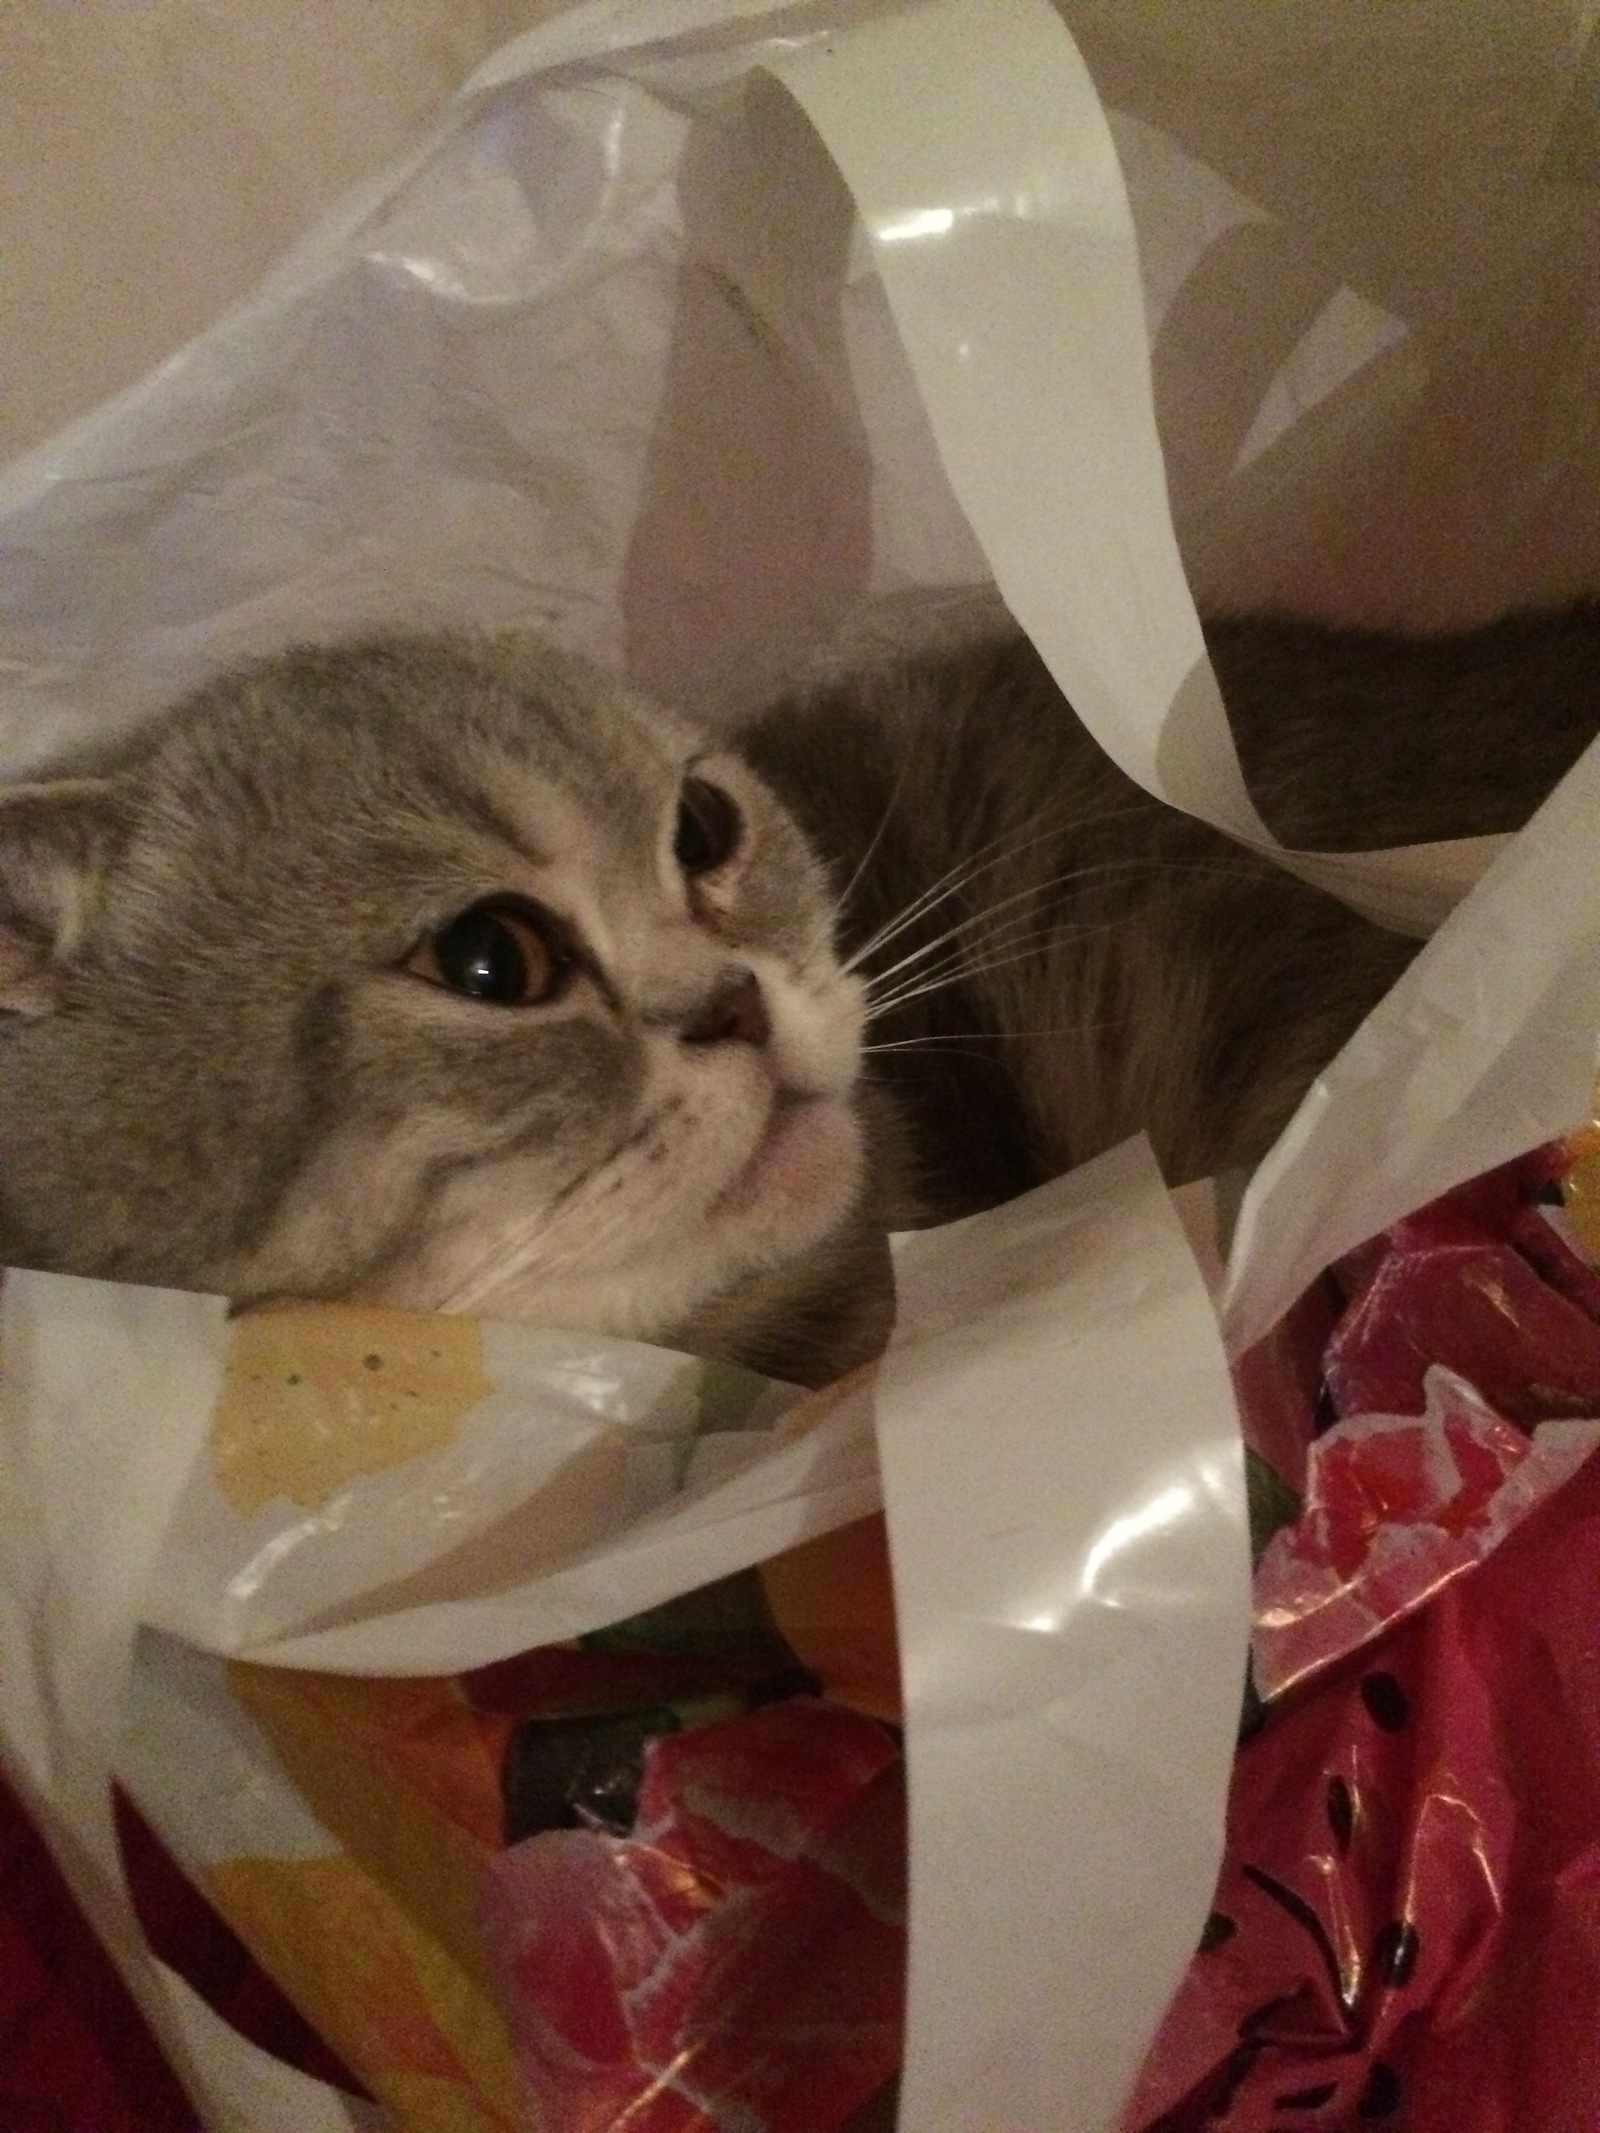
(55, 840)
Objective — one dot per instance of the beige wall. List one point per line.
(156, 155)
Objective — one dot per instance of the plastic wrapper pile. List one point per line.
(527, 1728)
(672, 1858)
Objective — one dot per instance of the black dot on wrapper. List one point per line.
(1237, 2069)
(1307, 2099)
(1381, 2096)
(1395, 1951)
(1385, 1701)
(1219, 1927)
(1259, 2017)
(1341, 1809)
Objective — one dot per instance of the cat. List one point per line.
(440, 971)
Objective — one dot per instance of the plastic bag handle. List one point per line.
(981, 162)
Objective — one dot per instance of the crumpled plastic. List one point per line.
(1406, 1928)
(653, 1861)
(688, 336)
(499, 387)
(1396, 1506)
(1480, 1282)
(694, 1912)
(738, 1958)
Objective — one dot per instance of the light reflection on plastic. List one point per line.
(432, 273)
(1163, 1510)
(614, 141)
(921, 222)
(246, 1583)
(1477, 1845)
(595, 1389)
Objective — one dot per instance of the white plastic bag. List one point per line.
(624, 347)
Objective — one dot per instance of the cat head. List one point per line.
(432, 969)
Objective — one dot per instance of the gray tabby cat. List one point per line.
(438, 971)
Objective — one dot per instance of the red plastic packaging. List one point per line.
(1407, 1925)
(738, 1959)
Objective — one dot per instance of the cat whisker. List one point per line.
(965, 960)
(953, 1052)
(971, 868)
(1025, 947)
(966, 925)
(1029, 895)
(1006, 845)
(941, 889)
(876, 839)
(950, 1043)
(508, 1256)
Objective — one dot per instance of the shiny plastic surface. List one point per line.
(1404, 1928)
(1066, 1623)
(742, 1956)
(524, 327)
(499, 388)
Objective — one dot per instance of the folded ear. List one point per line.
(56, 838)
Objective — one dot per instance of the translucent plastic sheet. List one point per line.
(1040, 1636)
(500, 388)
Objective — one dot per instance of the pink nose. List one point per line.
(736, 1013)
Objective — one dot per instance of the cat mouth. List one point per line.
(808, 1152)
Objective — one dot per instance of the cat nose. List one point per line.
(736, 1013)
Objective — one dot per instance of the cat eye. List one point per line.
(503, 953)
(708, 827)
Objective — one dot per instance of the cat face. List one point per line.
(431, 970)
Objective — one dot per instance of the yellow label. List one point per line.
(315, 1395)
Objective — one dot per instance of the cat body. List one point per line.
(1123, 967)
(439, 971)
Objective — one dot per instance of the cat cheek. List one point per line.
(815, 1151)
(808, 1164)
